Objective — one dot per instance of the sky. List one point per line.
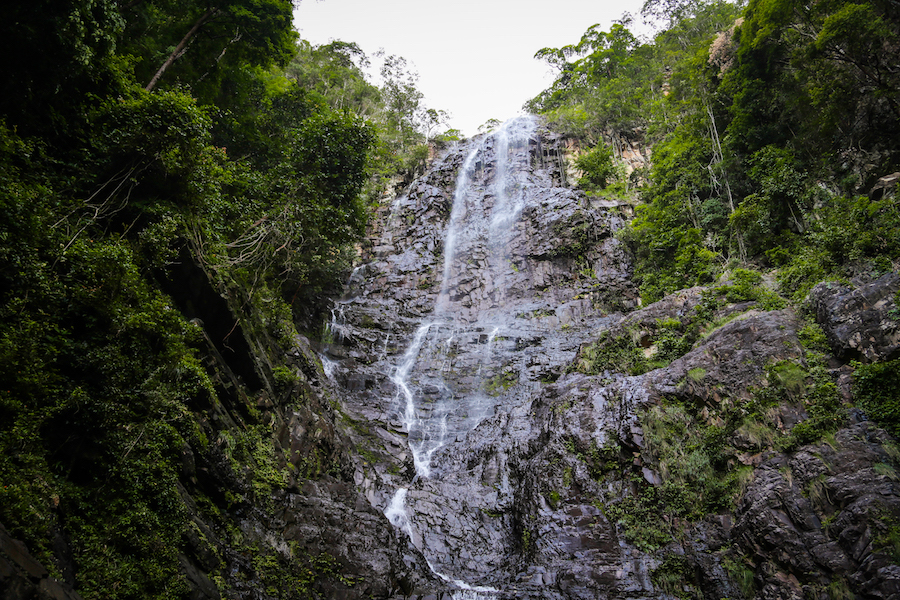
(475, 58)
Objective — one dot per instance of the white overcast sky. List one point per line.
(474, 57)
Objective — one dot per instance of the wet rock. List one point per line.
(334, 519)
(885, 187)
(22, 577)
(860, 320)
(202, 588)
(468, 362)
(782, 516)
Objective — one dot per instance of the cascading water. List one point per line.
(463, 182)
(466, 307)
(425, 415)
(426, 432)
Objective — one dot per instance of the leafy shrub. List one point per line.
(597, 166)
(813, 338)
(670, 256)
(696, 466)
(819, 394)
(741, 575)
(777, 205)
(747, 285)
(674, 575)
(617, 354)
(877, 391)
(850, 236)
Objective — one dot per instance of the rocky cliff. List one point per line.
(535, 433)
(492, 413)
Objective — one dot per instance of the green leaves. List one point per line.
(64, 51)
(598, 168)
(99, 374)
(877, 390)
(167, 127)
(603, 78)
(89, 434)
(194, 44)
(852, 32)
(332, 150)
(818, 73)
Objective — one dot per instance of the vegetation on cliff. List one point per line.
(769, 128)
(766, 124)
(137, 138)
(148, 144)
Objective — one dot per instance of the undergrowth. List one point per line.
(637, 350)
(693, 447)
(877, 391)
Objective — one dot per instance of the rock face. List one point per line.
(455, 355)
(492, 414)
(310, 532)
(813, 517)
(860, 321)
(24, 578)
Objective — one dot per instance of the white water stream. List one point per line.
(424, 401)
(425, 419)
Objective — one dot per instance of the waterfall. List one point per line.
(509, 182)
(484, 212)
(463, 182)
(425, 416)
(328, 366)
(471, 300)
(335, 329)
(397, 515)
(396, 512)
(426, 433)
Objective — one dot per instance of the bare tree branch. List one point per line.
(181, 47)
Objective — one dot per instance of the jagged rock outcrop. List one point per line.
(22, 577)
(861, 321)
(492, 414)
(313, 533)
(819, 517)
(516, 475)
(885, 187)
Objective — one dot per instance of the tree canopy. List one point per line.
(762, 119)
(137, 136)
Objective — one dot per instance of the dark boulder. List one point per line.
(861, 321)
(22, 577)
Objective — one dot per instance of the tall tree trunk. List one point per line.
(718, 159)
(180, 48)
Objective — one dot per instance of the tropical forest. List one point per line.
(270, 329)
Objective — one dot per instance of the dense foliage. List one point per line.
(136, 136)
(766, 127)
(766, 123)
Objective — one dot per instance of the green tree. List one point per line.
(197, 43)
(817, 77)
(598, 168)
(402, 100)
(335, 71)
(103, 185)
(65, 58)
(602, 90)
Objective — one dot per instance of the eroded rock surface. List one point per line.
(22, 577)
(860, 320)
(452, 438)
(458, 377)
